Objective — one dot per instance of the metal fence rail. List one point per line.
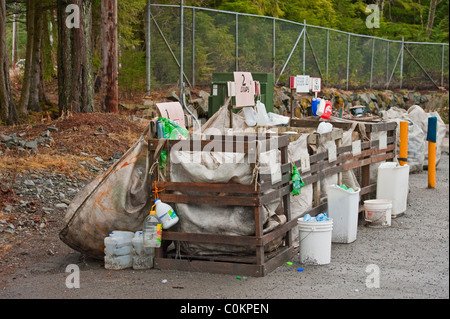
(193, 43)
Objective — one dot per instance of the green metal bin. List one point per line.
(219, 90)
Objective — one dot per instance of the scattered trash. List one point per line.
(299, 269)
(164, 281)
(238, 277)
(289, 263)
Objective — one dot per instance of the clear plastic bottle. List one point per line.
(152, 230)
(142, 256)
(166, 214)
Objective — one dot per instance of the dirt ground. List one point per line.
(412, 257)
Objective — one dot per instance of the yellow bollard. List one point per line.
(403, 152)
(431, 138)
(431, 164)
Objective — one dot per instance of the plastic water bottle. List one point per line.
(142, 256)
(118, 250)
(166, 213)
(152, 230)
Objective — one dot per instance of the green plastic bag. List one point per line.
(171, 131)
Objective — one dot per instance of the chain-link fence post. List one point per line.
(237, 43)
(348, 58)
(401, 61)
(442, 66)
(148, 48)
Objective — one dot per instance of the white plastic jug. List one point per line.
(142, 256)
(118, 243)
(118, 250)
(166, 213)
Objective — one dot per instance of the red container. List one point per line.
(327, 110)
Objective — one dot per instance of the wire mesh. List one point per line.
(221, 41)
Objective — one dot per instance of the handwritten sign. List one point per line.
(302, 83)
(315, 84)
(244, 89)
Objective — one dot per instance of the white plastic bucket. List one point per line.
(378, 212)
(343, 206)
(315, 241)
(392, 183)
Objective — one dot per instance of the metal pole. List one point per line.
(387, 62)
(237, 42)
(401, 62)
(371, 62)
(148, 48)
(393, 69)
(274, 48)
(348, 57)
(290, 55)
(328, 48)
(181, 49)
(304, 46)
(442, 66)
(193, 47)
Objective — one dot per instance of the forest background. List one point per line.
(54, 55)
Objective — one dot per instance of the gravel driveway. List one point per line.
(412, 257)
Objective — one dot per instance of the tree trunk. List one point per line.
(109, 90)
(35, 74)
(75, 72)
(25, 94)
(8, 112)
(431, 14)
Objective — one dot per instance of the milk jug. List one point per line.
(166, 213)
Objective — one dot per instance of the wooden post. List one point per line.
(431, 138)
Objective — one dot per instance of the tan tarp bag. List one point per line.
(120, 199)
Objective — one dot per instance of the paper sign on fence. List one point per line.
(244, 89)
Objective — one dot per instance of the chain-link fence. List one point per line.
(216, 41)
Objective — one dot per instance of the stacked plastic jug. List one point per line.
(118, 250)
(142, 256)
(126, 249)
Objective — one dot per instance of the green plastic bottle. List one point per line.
(297, 181)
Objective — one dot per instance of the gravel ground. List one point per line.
(412, 257)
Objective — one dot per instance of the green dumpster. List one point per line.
(219, 90)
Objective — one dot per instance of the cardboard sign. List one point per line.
(292, 82)
(244, 89)
(305, 164)
(302, 83)
(382, 141)
(173, 111)
(315, 84)
(332, 155)
(356, 147)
